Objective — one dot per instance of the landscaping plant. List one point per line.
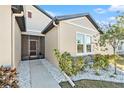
(67, 64)
(87, 60)
(113, 34)
(65, 61)
(100, 62)
(78, 65)
(8, 78)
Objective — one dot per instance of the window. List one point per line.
(80, 43)
(84, 43)
(88, 43)
(29, 14)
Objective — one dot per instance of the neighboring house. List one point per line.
(28, 32)
(120, 49)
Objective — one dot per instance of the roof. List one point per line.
(66, 17)
(20, 20)
(41, 10)
(57, 19)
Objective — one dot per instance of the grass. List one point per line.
(92, 84)
(120, 63)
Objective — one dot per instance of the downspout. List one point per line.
(14, 15)
(65, 75)
(55, 24)
(58, 33)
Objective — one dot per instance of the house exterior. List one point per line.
(28, 32)
(120, 49)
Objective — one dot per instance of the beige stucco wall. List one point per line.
(68, 30)
(83, 21)
(64, 38)
(51, 42)
(68, 37)
(38, 21)
(17, 44)
(5, 35)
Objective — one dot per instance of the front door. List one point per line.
(33, 48)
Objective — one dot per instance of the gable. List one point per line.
(83, 21)
(38, 21)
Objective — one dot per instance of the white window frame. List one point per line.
(77, 43)
(85, 52)
(87, 44)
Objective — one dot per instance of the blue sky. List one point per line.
(101, 13)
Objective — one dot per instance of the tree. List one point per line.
(113, 35)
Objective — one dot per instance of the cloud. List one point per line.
(111, 18)
(116, 8)
(100, 10)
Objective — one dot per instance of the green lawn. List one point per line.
(92, 84)
(120, 63)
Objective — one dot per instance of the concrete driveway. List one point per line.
(40, 77)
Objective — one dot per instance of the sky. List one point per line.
(101, 13)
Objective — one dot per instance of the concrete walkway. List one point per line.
(40, 77)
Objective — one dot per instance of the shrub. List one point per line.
(87, 59)
(105, 62)
(78, 64)
(65, 61)
(114, 57)
(100, 62)
(67, 64)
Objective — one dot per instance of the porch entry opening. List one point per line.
(32, 47)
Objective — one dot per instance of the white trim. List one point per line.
(34, 30)
(91, 37)
(25, 16)
(85, 52)
(32, 33)
(80, 26)
(76, 43)
(13, 37)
